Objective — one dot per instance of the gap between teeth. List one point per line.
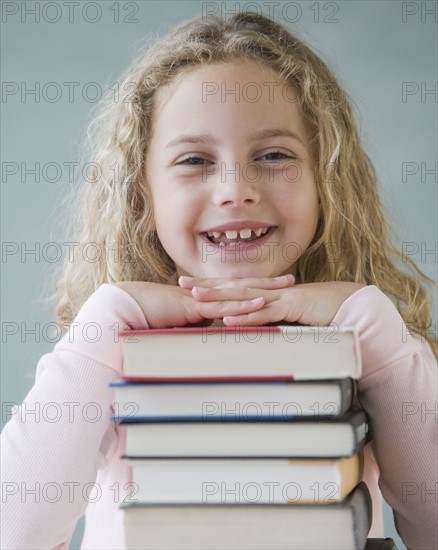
(243, 233)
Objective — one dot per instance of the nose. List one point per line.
(237, 185)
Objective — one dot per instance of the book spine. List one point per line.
(359, 423)
(346, 389)
(361, 507)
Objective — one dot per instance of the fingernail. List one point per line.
(257, 300)
(287, 277)
(183, 278)
(200, 289)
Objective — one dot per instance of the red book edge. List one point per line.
(201, 330)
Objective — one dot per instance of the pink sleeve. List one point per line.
(398, 390)
(58, 438)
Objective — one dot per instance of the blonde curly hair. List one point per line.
(352, 241)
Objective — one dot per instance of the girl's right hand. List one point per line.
(166, 306)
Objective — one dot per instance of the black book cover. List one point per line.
(380, 544)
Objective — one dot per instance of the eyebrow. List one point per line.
(208, 139)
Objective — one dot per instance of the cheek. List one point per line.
(298, 205)
(175, 217)
(301, 214)
(309, 219)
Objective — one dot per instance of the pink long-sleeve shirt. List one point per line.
(61, 452)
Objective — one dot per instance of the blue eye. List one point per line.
(278, 155)
(193, 161)
(199, 161)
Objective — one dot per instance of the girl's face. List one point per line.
(229, 169)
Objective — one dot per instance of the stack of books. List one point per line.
(244, 438)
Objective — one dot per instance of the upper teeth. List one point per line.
(243, 233)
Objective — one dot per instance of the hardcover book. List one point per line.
(341, 526)
(245, 480)
(257, 352)
(232, 400)
(300, 438)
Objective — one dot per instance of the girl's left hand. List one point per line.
(307, 304)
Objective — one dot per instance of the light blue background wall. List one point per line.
(374, 47)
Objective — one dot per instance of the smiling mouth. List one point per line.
(234, 237)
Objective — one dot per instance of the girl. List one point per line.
(241, 194)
